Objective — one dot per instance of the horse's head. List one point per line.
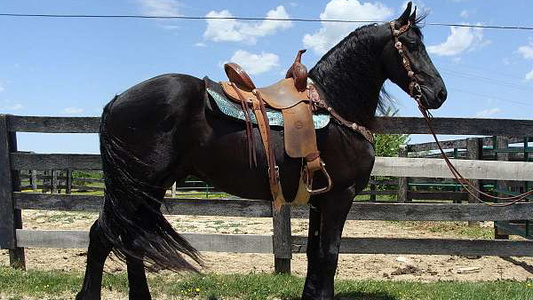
(408, 65)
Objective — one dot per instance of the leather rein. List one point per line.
(415, 92)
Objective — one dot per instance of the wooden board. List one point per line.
(228, 208)
(32, 161)
(242, 243)
(455, 126)
(460, 144)
(7, 221)
(430, 212)
(384, 166)
(249, 243)
(398, 125)
(54, 124)
(59, 202)
(436, 168)
(201, 207)
(257, 208)
(427, 246)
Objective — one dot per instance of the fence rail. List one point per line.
(281, 243)
(259, 208)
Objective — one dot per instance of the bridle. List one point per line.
(415, 91)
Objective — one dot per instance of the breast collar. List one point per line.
(319, 102)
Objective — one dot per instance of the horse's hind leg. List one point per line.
(137, 279)
(138, 285)
(326, 221)
(97, 253)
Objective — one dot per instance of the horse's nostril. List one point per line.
(442, 95)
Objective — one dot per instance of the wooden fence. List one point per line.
(281, 243)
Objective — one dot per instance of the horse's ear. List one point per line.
(405, 16)
(412, 18)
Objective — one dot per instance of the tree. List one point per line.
(388, 144)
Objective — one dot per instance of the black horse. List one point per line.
(159, 132)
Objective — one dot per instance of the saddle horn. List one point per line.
(298, 72)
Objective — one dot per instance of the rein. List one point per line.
(416, 93)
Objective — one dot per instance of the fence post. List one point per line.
(403, 182)
(55, 182)
(173, 190)
(33, 180)
(46, 186)
(10, 218)
(372, 191)
(473, 152)
(68, 182)
(282, 239)
(502, 142)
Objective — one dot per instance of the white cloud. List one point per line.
(73, 110)
(331, 33)
(488, 112)
(239, 31)
(255, 63)
(162, 8)
(165, 8)
(526, 51)
(11, 107)
(2, 88)
(461, 40)
(529, 76)
(465, 13)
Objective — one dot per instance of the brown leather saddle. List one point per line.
(290, 96)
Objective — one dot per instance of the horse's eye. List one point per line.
(412, 45)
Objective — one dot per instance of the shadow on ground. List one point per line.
(527, 267)
(365, 296)
(361, 296)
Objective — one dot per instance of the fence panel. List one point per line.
(281, 244)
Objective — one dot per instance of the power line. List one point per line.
(487, 79)
(205, 18)
(491, 97)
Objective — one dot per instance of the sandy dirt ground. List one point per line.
(351, 266)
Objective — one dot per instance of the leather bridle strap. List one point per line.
(414, 87)
(416, 93)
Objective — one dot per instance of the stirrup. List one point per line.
(309, 180)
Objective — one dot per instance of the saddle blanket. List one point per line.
(234, 110)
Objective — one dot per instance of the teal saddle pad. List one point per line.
(221, 104)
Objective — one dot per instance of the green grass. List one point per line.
(15, 284)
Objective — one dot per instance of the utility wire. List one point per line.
(491, 97)
(487, 79)
(309, 20)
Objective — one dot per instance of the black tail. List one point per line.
(130, 217)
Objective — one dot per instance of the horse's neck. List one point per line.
(353, 85)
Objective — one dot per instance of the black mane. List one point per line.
(350, 76)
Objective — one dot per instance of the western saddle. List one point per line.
(291, 96)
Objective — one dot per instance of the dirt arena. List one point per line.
(351, 266)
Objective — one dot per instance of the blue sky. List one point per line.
(73, 67)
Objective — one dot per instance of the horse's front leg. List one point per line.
(326, 221)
